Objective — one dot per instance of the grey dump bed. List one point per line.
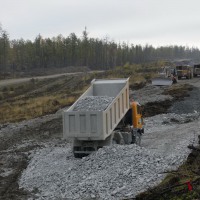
(98, 111)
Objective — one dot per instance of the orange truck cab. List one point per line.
(137, 119)
(134, 119)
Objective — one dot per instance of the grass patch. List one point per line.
(34, 107)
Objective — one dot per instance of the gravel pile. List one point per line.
(113, 172)
(93, 103)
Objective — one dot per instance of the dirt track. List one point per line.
(17, 141)
(22, 80)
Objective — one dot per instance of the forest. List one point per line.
(94, 53)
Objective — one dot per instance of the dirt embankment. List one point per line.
(16, 141)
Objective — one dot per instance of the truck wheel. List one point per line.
(118, 138)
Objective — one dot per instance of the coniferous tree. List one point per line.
(60, 51)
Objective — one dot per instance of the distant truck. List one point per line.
(184, 71)
(102, 116)
(196, 69)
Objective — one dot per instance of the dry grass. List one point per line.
(41, 97)
(27, 101)
(34, 107)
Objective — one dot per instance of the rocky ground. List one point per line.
(36, 163)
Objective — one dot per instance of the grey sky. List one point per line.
(156, 22)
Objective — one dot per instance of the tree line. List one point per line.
(60, 51)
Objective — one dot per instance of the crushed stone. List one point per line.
(110, 173)
(113, 172)
(93, 103)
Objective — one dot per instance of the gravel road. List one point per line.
(22, 80)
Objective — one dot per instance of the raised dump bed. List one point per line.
(98, 111)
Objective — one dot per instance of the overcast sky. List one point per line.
(156, 22)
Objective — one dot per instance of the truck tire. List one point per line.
(118, 138)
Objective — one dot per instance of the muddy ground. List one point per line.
(18, 140)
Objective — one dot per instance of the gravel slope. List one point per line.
(113, 172)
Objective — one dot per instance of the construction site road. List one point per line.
(36, 163)
(22, 80)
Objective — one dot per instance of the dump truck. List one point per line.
(196, 70)
(166, 76)
(184, 71)
(103, 115)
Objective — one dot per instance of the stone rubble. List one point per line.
(113, 172)
(93, 103)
